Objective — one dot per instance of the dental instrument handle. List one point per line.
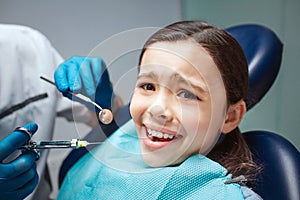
(79, 96)
(105, 115)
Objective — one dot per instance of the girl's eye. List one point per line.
(188, 95)
(148, 86)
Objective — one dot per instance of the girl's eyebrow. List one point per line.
(147, 75)
(199, 87)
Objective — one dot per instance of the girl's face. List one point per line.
(179, 102)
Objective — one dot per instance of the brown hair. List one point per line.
(232, 152)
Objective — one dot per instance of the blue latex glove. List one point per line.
(19, 177)
(87, 76)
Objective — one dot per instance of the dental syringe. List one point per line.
(59, 144)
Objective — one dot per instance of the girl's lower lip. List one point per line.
(154, 144)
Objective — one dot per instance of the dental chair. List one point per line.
(280, 178)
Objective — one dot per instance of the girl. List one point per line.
(188, 102)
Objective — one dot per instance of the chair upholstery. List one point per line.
(280, 160)
(263, 51)
(280, 178)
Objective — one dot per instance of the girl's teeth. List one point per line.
(160, 135)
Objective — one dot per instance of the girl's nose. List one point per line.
(158, 112)
(161, 109)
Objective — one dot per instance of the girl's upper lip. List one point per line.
(161, 129)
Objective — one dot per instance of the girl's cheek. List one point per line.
(133, 107)
(137, 105)
(196, 119)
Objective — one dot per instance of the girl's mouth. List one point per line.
(157, 136)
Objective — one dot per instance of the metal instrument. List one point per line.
(59, 144)
(105, 115)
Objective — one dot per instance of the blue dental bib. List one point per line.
(115, 170)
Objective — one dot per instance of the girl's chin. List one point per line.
(157, 159)
(155, 162)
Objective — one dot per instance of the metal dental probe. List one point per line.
(105, 115)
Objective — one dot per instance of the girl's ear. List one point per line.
(234, 116)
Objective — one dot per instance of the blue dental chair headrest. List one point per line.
(280, 178)
(263, 51)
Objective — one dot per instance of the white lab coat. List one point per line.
(25, 55)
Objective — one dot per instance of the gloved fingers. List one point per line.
(87, 78)
(12, 184)
(61, 79)
(73, 74)
(16, 139)
(18, 166)
(79, 74)
(98, 67)
(31, 127)
(24, 190)
(66, 76)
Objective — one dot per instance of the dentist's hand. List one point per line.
(19, 177)
(87, 76)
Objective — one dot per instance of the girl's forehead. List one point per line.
(184, 57)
